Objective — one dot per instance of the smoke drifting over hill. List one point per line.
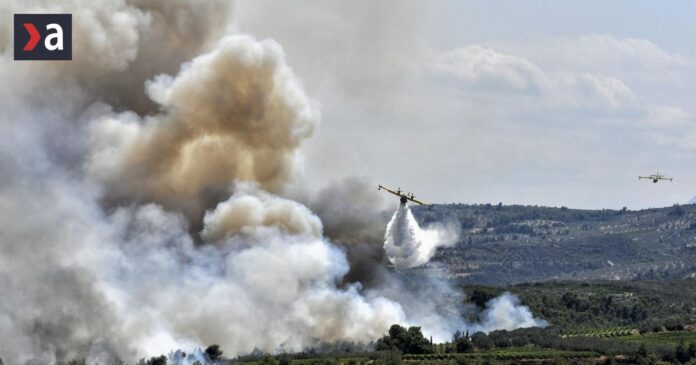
(136, 223)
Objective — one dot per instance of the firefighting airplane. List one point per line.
(655, 178)
(404, 197)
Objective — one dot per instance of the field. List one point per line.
(662, 342)
(661, 338)
(512, 353)
(632, 335)
(604, 332)
(508, 354)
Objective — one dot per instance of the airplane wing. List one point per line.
(417, 201)
(389, 190)
(420, 202)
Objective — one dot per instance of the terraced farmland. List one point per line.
(604, 332)
(513, 353)
(661, 338)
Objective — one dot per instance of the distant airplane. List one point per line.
(404, 197)
(655, 177)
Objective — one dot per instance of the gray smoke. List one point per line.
(102, 187)
(354, 215)
(140, 197)
(235, 113)
(352, 210)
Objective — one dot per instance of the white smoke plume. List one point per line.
(265, 287)
(236, 112)
(506, 313)
(408, 245)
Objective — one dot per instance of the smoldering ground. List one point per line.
(142, 197)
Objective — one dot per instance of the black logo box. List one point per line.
(21, 36)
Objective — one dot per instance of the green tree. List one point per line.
(161, 360)
(463, 344)
(267, 360)
(682, 353)
(481, 340)
(408, 341)
(213, 352)
(284, 359)
(481, 296)
(417, 343)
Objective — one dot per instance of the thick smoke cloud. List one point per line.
(236, 113)
(354, 215)
(52, 306)
(102, 262)
(268, 289)
(352, 210)
(140, 196)
(249, 210)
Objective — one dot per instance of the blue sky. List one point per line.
(666, 23)
(542, 102)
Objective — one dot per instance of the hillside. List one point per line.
(511, 244)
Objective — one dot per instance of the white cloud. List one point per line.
(601, 51)
(595, 90)
(491, 70)
(634, 59)
(485, 72)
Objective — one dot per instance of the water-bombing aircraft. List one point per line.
(655, 177)
(404, 197)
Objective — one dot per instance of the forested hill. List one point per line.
(502, 244)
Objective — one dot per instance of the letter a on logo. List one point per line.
(57, 36)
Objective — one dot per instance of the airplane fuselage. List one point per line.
(655, 178)
(404, 197)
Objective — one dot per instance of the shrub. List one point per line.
(161, 360)
(213, 352)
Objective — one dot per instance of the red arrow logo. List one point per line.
(34, 36)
